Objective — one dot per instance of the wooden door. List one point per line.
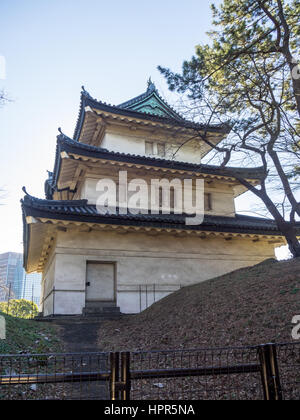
(100, 282)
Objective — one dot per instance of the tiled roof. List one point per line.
(84, 212)
(68, 145)
(128, 109)
(152, 103)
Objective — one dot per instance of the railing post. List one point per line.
(32, 303)
(125, 376)
(53, 301)
(8, 301)
(140, 290)
(270, 373)
(114, 376)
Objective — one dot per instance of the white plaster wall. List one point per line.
(65, 273)
(134, 299)
(69, 303)
(190, 153)
(165, 260)
(135, 144)
(70, 275)
(124, 143)
(223, 203)
(48, 276)
(47, 287)
(222, 200)
(48, 306)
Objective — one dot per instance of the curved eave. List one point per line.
(43, 217)
(81, 212)
(69, 150)
(111, 110)
(35, 243)
(83, 152)
(26, 238)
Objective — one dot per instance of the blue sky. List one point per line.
(52, 48)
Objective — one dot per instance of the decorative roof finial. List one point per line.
(85, 92)
(151, 85)
(24, 190)
(60, 130)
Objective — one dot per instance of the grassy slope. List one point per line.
(28, 336)
(249, 306)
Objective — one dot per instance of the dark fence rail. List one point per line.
(55, 376)
(216, 374)
(7, 296)
(270, 372)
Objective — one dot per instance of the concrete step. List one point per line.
(79, 319)
(104, 311)
(112, 309)
(93, 312)
(100, 304)
(99, 308)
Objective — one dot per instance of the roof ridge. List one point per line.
(72, 210)
(87, 99)
(63, 138)
(149, 92)
(65, 143)
(44, 202)
(84, 202)
(254, 218)
(31, 199)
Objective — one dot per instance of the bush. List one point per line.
(19, 308)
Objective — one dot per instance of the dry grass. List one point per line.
(249, 306)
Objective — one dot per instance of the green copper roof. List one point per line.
(151, 103)
(149, 106)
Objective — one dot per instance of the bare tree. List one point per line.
(3, 98)
(255, 88)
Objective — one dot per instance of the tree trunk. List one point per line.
(296, 83)
(289, 232)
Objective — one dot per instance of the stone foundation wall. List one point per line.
(148, 267)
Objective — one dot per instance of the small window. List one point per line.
(161, 149)
(207, 202)
(149, 148)
(172, 199)
(160, 198)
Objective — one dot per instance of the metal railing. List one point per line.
(10, 296)
(266, 372)
(55, 376)
(147, 294)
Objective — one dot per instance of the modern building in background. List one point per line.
(32, 287)
(11, 274)
(14, 282)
